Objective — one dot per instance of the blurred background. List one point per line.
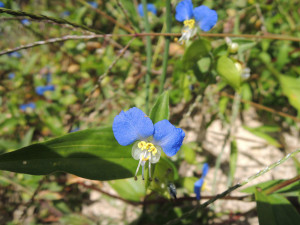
(53, 89)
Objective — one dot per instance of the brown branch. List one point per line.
(93, 36)
(162, 200)
(281, 185)
(262, 107)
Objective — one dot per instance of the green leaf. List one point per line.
(189, 183)
(195, 52)
(129, 189)
(189, 153)
(92, 154)
(232, 161)
(275, 210)
(229, 72)
(290, 87)
(261, 133)
(289, 190)
(160, 110)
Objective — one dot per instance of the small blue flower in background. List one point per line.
(11, 76)
(15, 54)
(203, 16)
(93, 4)
(2, 5)
(48, 78)
(41, 89)
(30, 105)
(150, 8)
(133, 126)
(25, 22)
(75, 129)
(65, 14)
(199, 183)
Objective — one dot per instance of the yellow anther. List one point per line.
(149, 145)
(142, 145)
(145, 159)
(189, 23)
(154, 151)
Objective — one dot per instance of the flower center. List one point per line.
(145, 151)
(147, 146)
(189, 23)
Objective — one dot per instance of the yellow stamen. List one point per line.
(147, 146)
(189, 23)
(142, 145)
(145, 159)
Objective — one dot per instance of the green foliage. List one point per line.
(275, 209)
(228, 71)
(160, 110)
(92, 154)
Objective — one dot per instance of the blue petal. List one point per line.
(197, 187)
(184, 10)
(168, 137)
(25, 22)
(40, 90)
(49, 88)
(2, 4)
(150, 8)
(93, 4)
(140, 10)
(205, 17)
(131, 126)
(205, 169)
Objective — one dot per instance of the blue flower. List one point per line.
(2, 5)
(41, 89)
(133, 126)
(25, 22)
(65, 14)
(15, 54)
(30, 105)
(75, 129)
(199, 183)
(150, 8)
(93, 4)
(11, 76)
(205, 18)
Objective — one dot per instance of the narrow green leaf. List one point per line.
(92, 154)
(228, 71)
(160, 110)
(275, 210)
(289, 190)
(232, 161)
(263, 135)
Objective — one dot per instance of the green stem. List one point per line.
(148, 54)
(235, 110)
(167, 44)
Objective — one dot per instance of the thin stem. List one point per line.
(167, 45)
(94, 36)
(235, 110)
(43, 17)
(148, 54)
